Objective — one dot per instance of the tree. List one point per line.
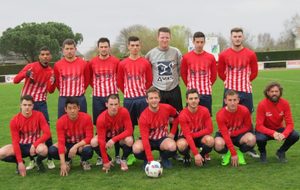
(26, 39)
(180, 37)
(265, 42)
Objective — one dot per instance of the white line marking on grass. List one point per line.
(284, 80)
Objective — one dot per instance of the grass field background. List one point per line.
(254, 175)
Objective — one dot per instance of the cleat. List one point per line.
(241, 158)
(50, 164)
(85, 165)
(118, 160)
(263, 157)
(226, 159)
(166, 163)
(207, 157)
(281, 156)
(40, 166)
(131, 160)
(253, 153)
(31, 165)
(123, 164)
(99, 161)
(187, 161)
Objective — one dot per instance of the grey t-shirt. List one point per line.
(165, 67)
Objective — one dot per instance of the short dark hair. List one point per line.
(69, 42)
(133, 39)
(113, 96)
(164, 29)
(198, 35)
(102, 40)
(191, 91)
(26, 97)
(271, 85)
(230, 93)
(71, 100)
(44, 48)
(152, 89)
(236, 29)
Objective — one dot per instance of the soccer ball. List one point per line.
(153, 169)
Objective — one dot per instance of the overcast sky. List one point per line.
(98, 18)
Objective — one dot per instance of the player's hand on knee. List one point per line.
(235, 161)
(64, 169)
(22, 169)
(109, 144)
(72, 152)
(199, 160)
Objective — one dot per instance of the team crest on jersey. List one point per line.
(165, 68)
(268, 114)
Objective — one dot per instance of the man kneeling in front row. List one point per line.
(74, 134)
(26, 128)
(113, 126)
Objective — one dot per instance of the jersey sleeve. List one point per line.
(144, 132)
(221, 67)
(149, 76)
(22, 74)
(57, 75)
(213, 69)
(184, 70)
(120, 77)
(60, 136)
(87, 76)
(253, 66)
(101, 131)
(88, 129)
(14, 131)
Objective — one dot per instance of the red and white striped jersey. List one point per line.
(237, 69)
(199, 71)
(71, 78)
(40, 82)
(154, 125)
(28, 131)
(69, 131)
(134, 77)
(104, 76)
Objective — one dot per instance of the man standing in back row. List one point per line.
(165, 61)
(237, 67)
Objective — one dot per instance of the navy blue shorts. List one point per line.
(155, 144)
(235, 140)
(25, 150)
(206, 101)
(245, 99)
(172, 97)
(62, 102)
(135, 106)
(197, 141)
(98, 107)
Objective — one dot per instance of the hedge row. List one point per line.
(13, 68)
(278, 55)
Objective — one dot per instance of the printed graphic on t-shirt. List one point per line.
(165, 68)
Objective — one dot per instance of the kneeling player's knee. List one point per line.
(137, 147)
(209, 141)
(128, 141)
(251, 140)
(294, 136)
(87, 152)
(42, 150)
(219, 144)
(53, 151)
(171, 146)
(181, 145)
(94, 142)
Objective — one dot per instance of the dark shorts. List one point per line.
(246, 99)
(98, 107)
(155, 144)
(42, 107)
(197, 141)
(25, 150)
(62, 101)
(235, 140)
(172, 97)
(206, 101)
(135, 106)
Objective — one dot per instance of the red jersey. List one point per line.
(42, 81)
(69, 131)
(28, 131)
(71, 78)
(232, 124)
(237, 69)
(195, 125)
(134, 77)
(104, 76)
(270, 116)
(113, 127)
(199, 71)
(154, 125)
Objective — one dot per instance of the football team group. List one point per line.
(152, 101)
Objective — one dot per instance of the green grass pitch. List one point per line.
(254, 175)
